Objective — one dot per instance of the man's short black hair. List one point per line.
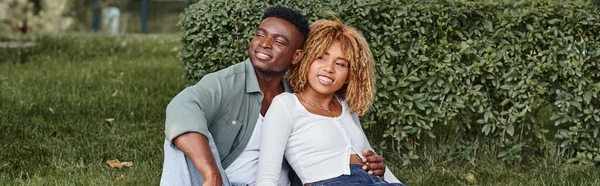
(291, 16)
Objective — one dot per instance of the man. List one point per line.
(213, 128)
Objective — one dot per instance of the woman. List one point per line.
(317, 128)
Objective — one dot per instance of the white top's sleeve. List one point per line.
(276, 129)
(388, 175)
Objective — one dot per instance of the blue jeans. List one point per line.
(357, 177)
(178, 169)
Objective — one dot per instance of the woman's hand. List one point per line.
(375, 164)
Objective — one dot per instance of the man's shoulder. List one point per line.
(231, 71)
(223, 80)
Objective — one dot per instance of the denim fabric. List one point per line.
(178, 169)
(357, 177)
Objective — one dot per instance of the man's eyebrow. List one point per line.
(276, 35)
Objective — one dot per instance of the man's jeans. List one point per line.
(178, 169)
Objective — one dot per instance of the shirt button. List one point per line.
(233, 122)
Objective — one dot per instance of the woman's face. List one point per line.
(329, 72)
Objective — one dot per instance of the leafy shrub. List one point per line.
(511, 74)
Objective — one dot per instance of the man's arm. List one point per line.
(195, 146)
(186, 125)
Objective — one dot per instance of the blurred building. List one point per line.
(161, 15)
(126, 16)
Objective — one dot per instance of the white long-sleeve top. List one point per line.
(316, 147)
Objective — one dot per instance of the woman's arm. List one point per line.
(387, 174)
(276, 129)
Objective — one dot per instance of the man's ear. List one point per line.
(298, 55)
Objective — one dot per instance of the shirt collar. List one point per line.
(252, 80)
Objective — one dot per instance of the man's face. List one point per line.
(276, 45)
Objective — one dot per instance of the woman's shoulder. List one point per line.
(285, 96)
(284, 102)
(343, 103)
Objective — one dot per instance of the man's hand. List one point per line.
(213, 181)
(375, 164)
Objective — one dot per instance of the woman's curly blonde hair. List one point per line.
(360, 90)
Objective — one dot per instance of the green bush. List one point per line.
(514, 75)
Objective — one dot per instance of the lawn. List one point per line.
(53, 110)
(54, 104)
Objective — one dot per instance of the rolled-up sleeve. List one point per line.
(193, 108)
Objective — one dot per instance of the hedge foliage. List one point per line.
(515, 75)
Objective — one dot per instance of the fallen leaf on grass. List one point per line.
(117, 164)
(119, 178)
(51, 110)
(470, 178)
(112, 73)
(109, 120)
(116, 93)
(473, 162)
(92, 99)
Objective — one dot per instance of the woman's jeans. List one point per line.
(357, 177)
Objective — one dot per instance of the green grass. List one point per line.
(53, 103)
(53, 109)
(435, 168)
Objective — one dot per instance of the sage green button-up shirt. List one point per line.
(225, 103)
